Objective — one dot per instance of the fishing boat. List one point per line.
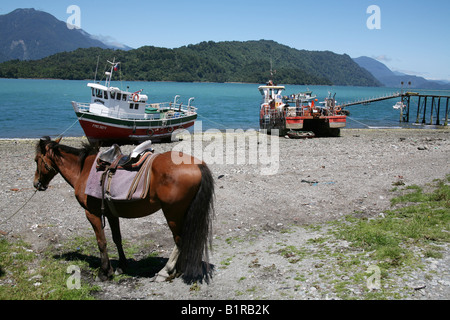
(399, 106)
(298, 114)
(123, 117)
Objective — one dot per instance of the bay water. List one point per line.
(35, 108)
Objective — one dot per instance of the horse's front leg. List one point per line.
(169, 269)
(106, 271)
(117, 238)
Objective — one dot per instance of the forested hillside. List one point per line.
(233, 61)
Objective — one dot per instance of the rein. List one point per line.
(49, 168)
(9, 218)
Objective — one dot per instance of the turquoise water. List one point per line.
(34, 108)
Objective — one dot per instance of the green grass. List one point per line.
(25, 276)
(422, 219)
(416, 227)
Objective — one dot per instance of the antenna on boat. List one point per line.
(272, 72)
(96, 69)
(114, 67)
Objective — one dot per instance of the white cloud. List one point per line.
(110, 41)
(382, 57)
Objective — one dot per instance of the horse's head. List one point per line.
(45, 169)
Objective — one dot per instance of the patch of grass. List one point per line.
(424, 218)
(25, 276)
(226, 262)
(292, 253)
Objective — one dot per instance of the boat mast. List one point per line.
(96, 69)
(109, 74)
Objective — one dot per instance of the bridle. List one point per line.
(49, 168)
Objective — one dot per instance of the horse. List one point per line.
(183, 190)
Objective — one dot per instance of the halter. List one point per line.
(47, 166)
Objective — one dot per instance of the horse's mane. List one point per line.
(82, 153)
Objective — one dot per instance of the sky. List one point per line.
(408, 36)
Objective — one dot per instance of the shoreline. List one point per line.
(223, 131)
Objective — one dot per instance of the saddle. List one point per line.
(114, 154)
(118, 177)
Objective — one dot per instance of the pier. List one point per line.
(370, 100)
(431, 109)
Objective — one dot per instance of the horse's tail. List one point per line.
(197, 231)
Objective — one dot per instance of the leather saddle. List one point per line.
(114, 156)
(119, 177)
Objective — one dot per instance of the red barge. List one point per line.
(299, 115)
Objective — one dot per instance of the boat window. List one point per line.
(113, 95)
(93, 92)
(136, 106)
(105, 95)
(98, 93)
(124, 97)
(131, 105)
(119, 96)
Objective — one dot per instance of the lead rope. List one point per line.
(9, 218)
(70, 127)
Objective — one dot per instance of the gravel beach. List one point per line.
(260, 213)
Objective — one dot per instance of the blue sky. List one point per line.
(414, 35)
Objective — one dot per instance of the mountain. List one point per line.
(394, 79)
(376, 68)
(230, 61)
(29, 34)
(252, 60)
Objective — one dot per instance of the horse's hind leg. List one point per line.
(106, 271)
(117, 238)
(169, 269)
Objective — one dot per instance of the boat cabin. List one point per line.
(270, 93)
(113, 102)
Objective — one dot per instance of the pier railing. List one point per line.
(430, 108)
(370, 100)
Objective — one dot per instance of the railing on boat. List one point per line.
(303, 111)
(165, 110)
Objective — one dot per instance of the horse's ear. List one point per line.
(42, 143)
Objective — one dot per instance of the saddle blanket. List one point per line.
(123, 184)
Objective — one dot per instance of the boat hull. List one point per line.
(321, 126)
(113, 130)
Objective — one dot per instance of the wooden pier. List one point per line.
(370, 100)
(431, 109)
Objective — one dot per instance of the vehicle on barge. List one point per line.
(299, 115)
(123, 117)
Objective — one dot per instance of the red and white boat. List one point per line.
(299, 115)
(117, 116)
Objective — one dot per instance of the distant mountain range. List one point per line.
(230, 61)
(29, 34)
(394, 79)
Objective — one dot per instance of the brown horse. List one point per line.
(183, 191)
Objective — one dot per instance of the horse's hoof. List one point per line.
(118, 272)
(101, 276)
(158, 278)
